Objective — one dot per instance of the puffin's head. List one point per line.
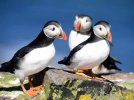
(82, 23)
(102, 30)
(53, 29)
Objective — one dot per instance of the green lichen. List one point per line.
(127, 84)
(74, 92)
(23, 97)
(116, 96)
(71, 84)
(47, 90)
(57, 94)
(6, 78)
(72, 89)
(41, 96)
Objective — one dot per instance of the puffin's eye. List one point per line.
(87, 20)
(100, 28)
(53, 28)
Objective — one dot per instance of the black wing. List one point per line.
(19, 56)
(67, 60)
(40, 41)
(110, 63)
(11, 65)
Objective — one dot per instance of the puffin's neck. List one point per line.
(93, 37)
(41, 40)
(89, 32)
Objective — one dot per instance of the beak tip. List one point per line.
(110, 37)
(64, 36)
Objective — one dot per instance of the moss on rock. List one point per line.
(70, 87)
(6, 78)
(73, 89)
(127, 84)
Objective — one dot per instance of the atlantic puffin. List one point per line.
(35, 56)
(109, 65)
(93, 51)
(80, 33)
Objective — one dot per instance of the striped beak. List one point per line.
(109, 37)
(78, 25)
(64, 36)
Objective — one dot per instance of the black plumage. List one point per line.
(83, 15)
(110, 63)
(41, 41)
(67, 60)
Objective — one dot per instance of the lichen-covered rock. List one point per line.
(64, 86)
(73, 89)
(61, 85)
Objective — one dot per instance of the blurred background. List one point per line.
(22, 20)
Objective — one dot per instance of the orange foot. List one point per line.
(37, 88)
(90, 75)
(79, 70)
(31, 92)
(84, 75)
(98, 78)
(94, 76)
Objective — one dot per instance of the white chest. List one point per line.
(92, 54)
(37, 59)
(75, 39)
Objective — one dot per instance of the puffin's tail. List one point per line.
(113, 67)
(6, 67)
(113, 64)
(65, 61)
(116, 61)
(108, 66)
(110, 63)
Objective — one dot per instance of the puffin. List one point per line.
(93, 51)
(35, 56)
(109, 65)
(81, 32)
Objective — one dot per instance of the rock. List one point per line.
(73, 89)
(62, 85)
(124, 80)
(53, 76)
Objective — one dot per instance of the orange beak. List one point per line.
(64, 36)
(77, 26)
(110, 37)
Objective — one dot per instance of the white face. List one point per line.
(100, 31)
(51, 31)
(85, 23)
